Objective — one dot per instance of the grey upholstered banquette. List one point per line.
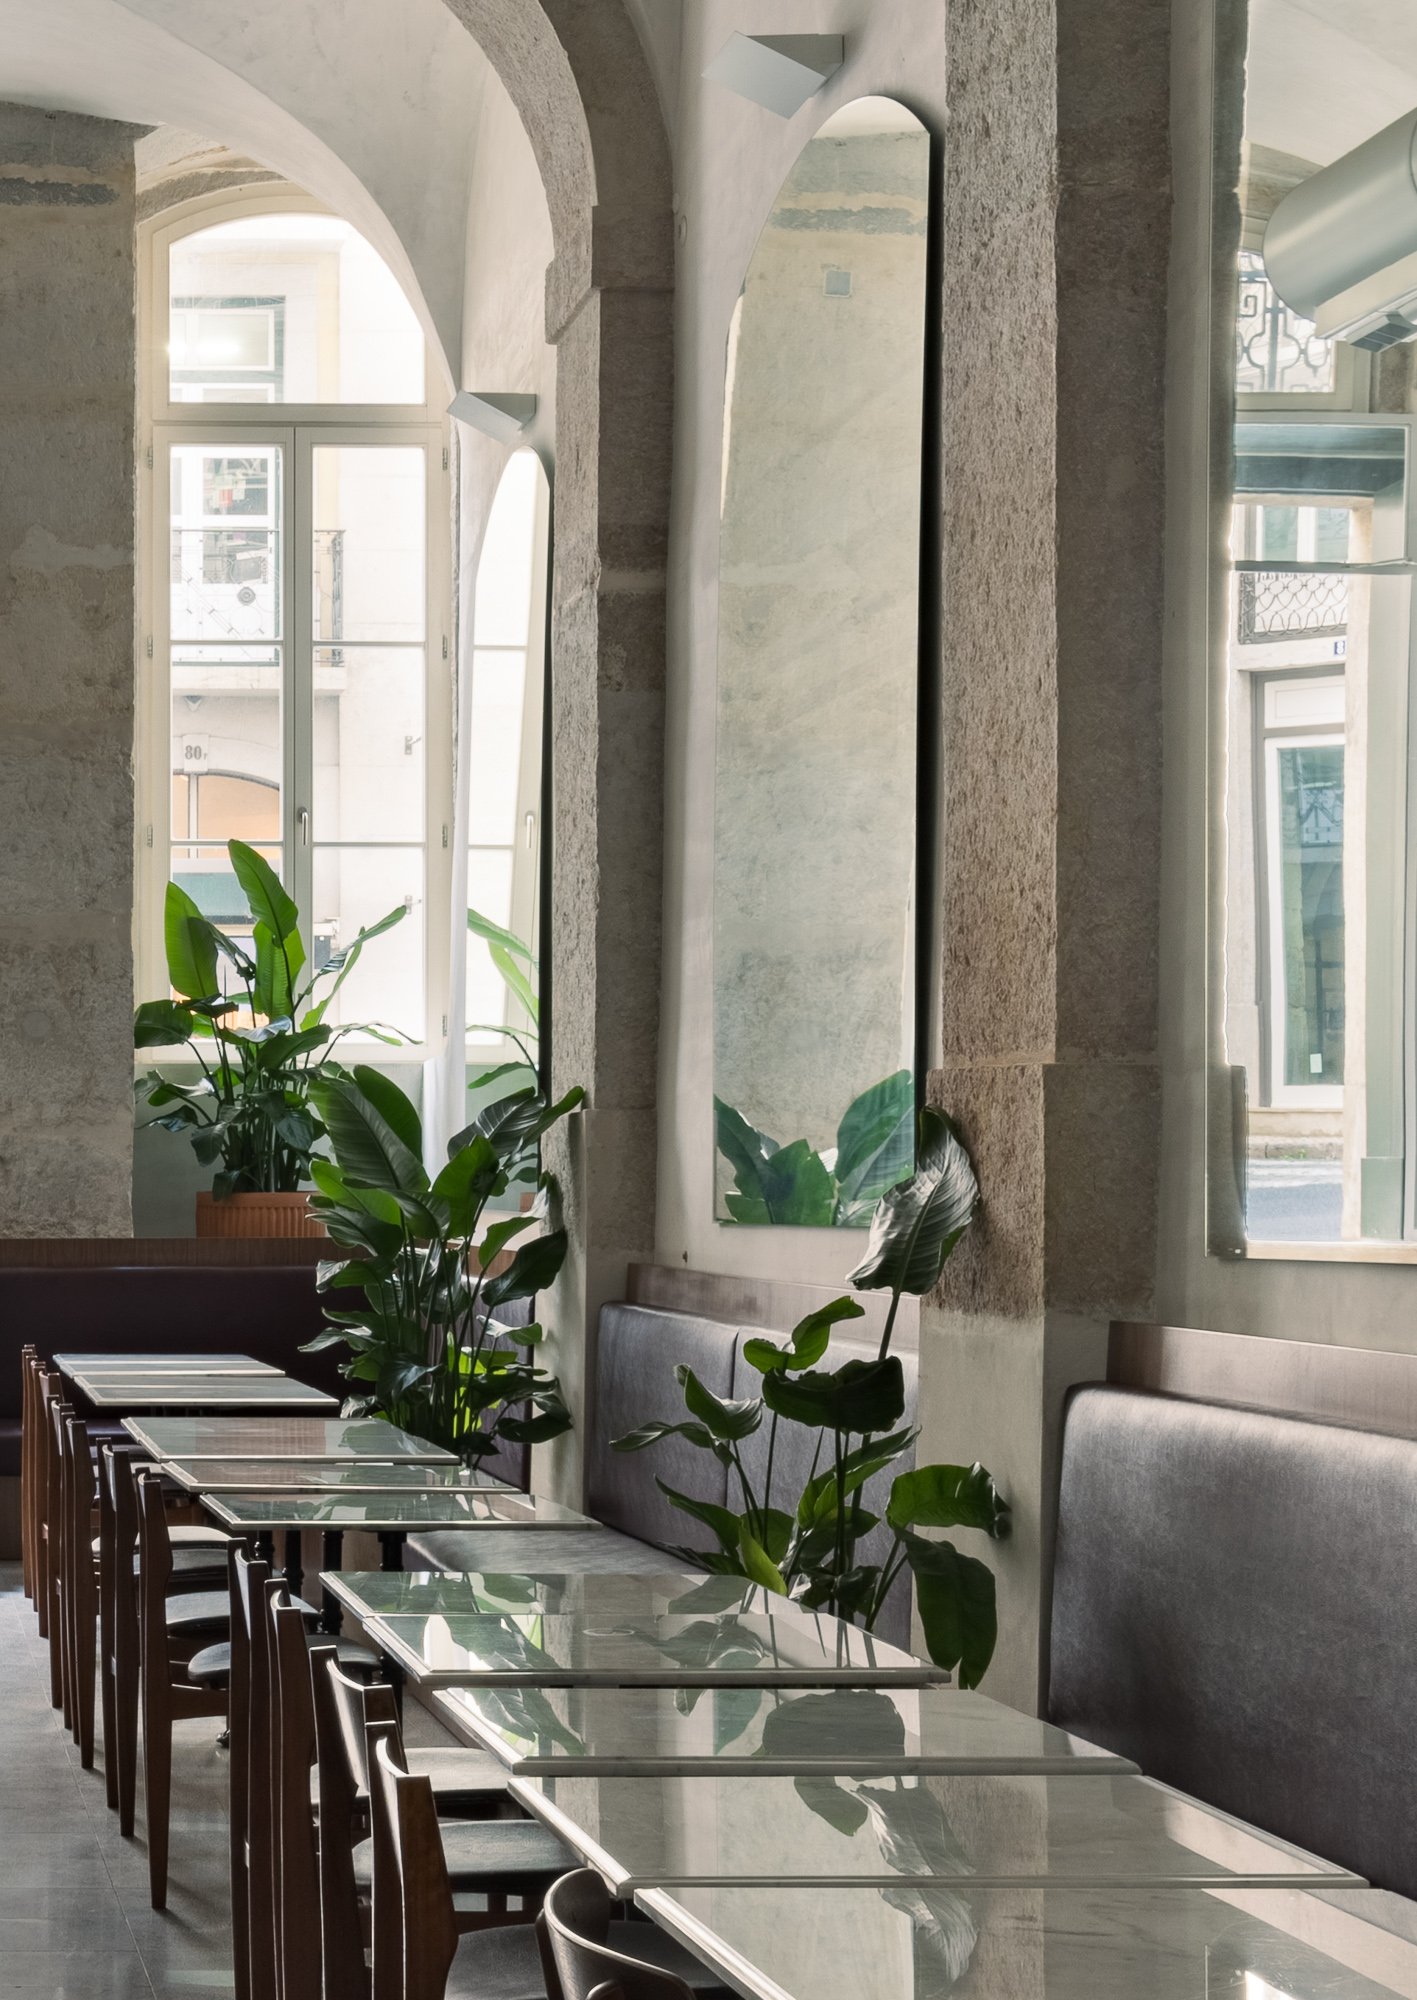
(1235, 1607)
(636, 1354)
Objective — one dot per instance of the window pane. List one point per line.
(369, 554)
(354, 887)
(369, 743)
(1310, 832)
(226, 743)
(495, 747)
(225, 543)
(1343, 484)
(289, 309)
(489, 892)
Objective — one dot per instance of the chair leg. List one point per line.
(125, 1706)
(157, 1780)
(109, 1709)
(85, 1656)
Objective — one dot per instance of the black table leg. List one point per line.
(391, 1541)
(332, 1611)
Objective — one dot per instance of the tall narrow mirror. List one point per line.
(818, 651)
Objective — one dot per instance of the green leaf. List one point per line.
(266, 898)
(948, 1496)
(366, 1146)
(723, 1523)
(745, 1149)
(342, 963)
(758, 1564)
(393, 1106)
(648, 1434)
(748, 1209)
(515, 980)
(465, 1184)
(955, 1596)
(917, 1224)
(484, 927)
(860, 1396)
(799, 1187)
(722, 1418)
(808, 1343)
(535, 1265)
(875, 1141)
(278, 963)
(553, 1420)
(500, 1234)
(819, 1495)
(512, 1122)
(159, 1023)
(191, 952)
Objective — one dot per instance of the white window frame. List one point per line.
(298, 429)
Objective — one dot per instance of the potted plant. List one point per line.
(834, 1189)
(432, 1265)
(808, 1548)
(254, 1023)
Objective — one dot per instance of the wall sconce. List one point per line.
(780, 72)
(501, 417)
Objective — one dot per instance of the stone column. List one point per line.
(1056, 241)
(66, 673)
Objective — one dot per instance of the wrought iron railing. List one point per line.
(1275, 606)
(1276, 352)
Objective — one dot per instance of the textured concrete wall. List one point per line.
(66, 673)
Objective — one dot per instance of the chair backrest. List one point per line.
(343, 1975)
(297, 1872)
(572, 1929)
(415, 1929)
(358, 1707)
(29, 1369)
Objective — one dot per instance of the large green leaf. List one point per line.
(647, 1434)
(516, 981)
(535, 1266)
(366, 1146)
(917, 1224)
(745, 1149)
(269, 902)
(159, 1023)
(723, 1523)
(393, 1106)
(948, 1496)
(341, 963)
(875, 1140)
(191, 950)
(484, 927)
(277, 963)
(511, 1123)
(819, 1495)
(808, 1341)
(728, 1420)
(798, 1187)
(465, 1183)
(758, 1564)
(955, 1596)
(860, 1396)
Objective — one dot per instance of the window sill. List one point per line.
(1372, 1252)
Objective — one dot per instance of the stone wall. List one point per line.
(66, 673)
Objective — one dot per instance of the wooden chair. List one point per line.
(52, 1409)
(29, 1366)
(183, 1675)
(592, 1957)
(80, 1585)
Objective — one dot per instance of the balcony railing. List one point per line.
(1275, 606)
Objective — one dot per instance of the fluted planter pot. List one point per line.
(256, 1215)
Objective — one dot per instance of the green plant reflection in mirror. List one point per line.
(818, 634)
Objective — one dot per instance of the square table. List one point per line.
(161, 1364)
(373, 1593)
(202, 1392)
(299, 1475)
(994, 1833)
(312, 1438)
(910, 1941)
(759, 1732)
(785, 1647)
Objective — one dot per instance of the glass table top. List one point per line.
(995, 1832)
(292, 1475)
(254, 1513)
(912, 1941)
(161, 1364)
(761, 1732)
(375, 1593)
(785, 1647)
(274, 1437)
(175, 1391)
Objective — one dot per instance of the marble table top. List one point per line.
(993, 1832)
(376, 1593)
(294, 1475)
(162, 1364)
(480, 1507)
(174, 1391)
(274, 1437)
(782, 1648)
(917, 1941)
(753, 1732)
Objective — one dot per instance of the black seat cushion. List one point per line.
(491, 1854)
(1235, 1606)
(467, 1780)
(505, 1964)
(200, 1611)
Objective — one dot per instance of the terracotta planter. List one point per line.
(256, 1215)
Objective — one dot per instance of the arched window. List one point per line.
(297, 604)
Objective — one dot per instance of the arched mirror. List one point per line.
(815, 893)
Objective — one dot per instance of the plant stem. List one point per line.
(890, 1323)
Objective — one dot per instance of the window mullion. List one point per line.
(299, 680)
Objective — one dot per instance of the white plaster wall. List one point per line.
(731, 159)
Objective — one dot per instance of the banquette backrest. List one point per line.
(636, 1355)
(1235, 1607)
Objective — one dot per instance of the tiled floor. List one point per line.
(75, 1920)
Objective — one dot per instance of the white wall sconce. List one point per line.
(504, 418)
(780, 72)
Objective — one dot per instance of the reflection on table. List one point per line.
(275, 1437)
